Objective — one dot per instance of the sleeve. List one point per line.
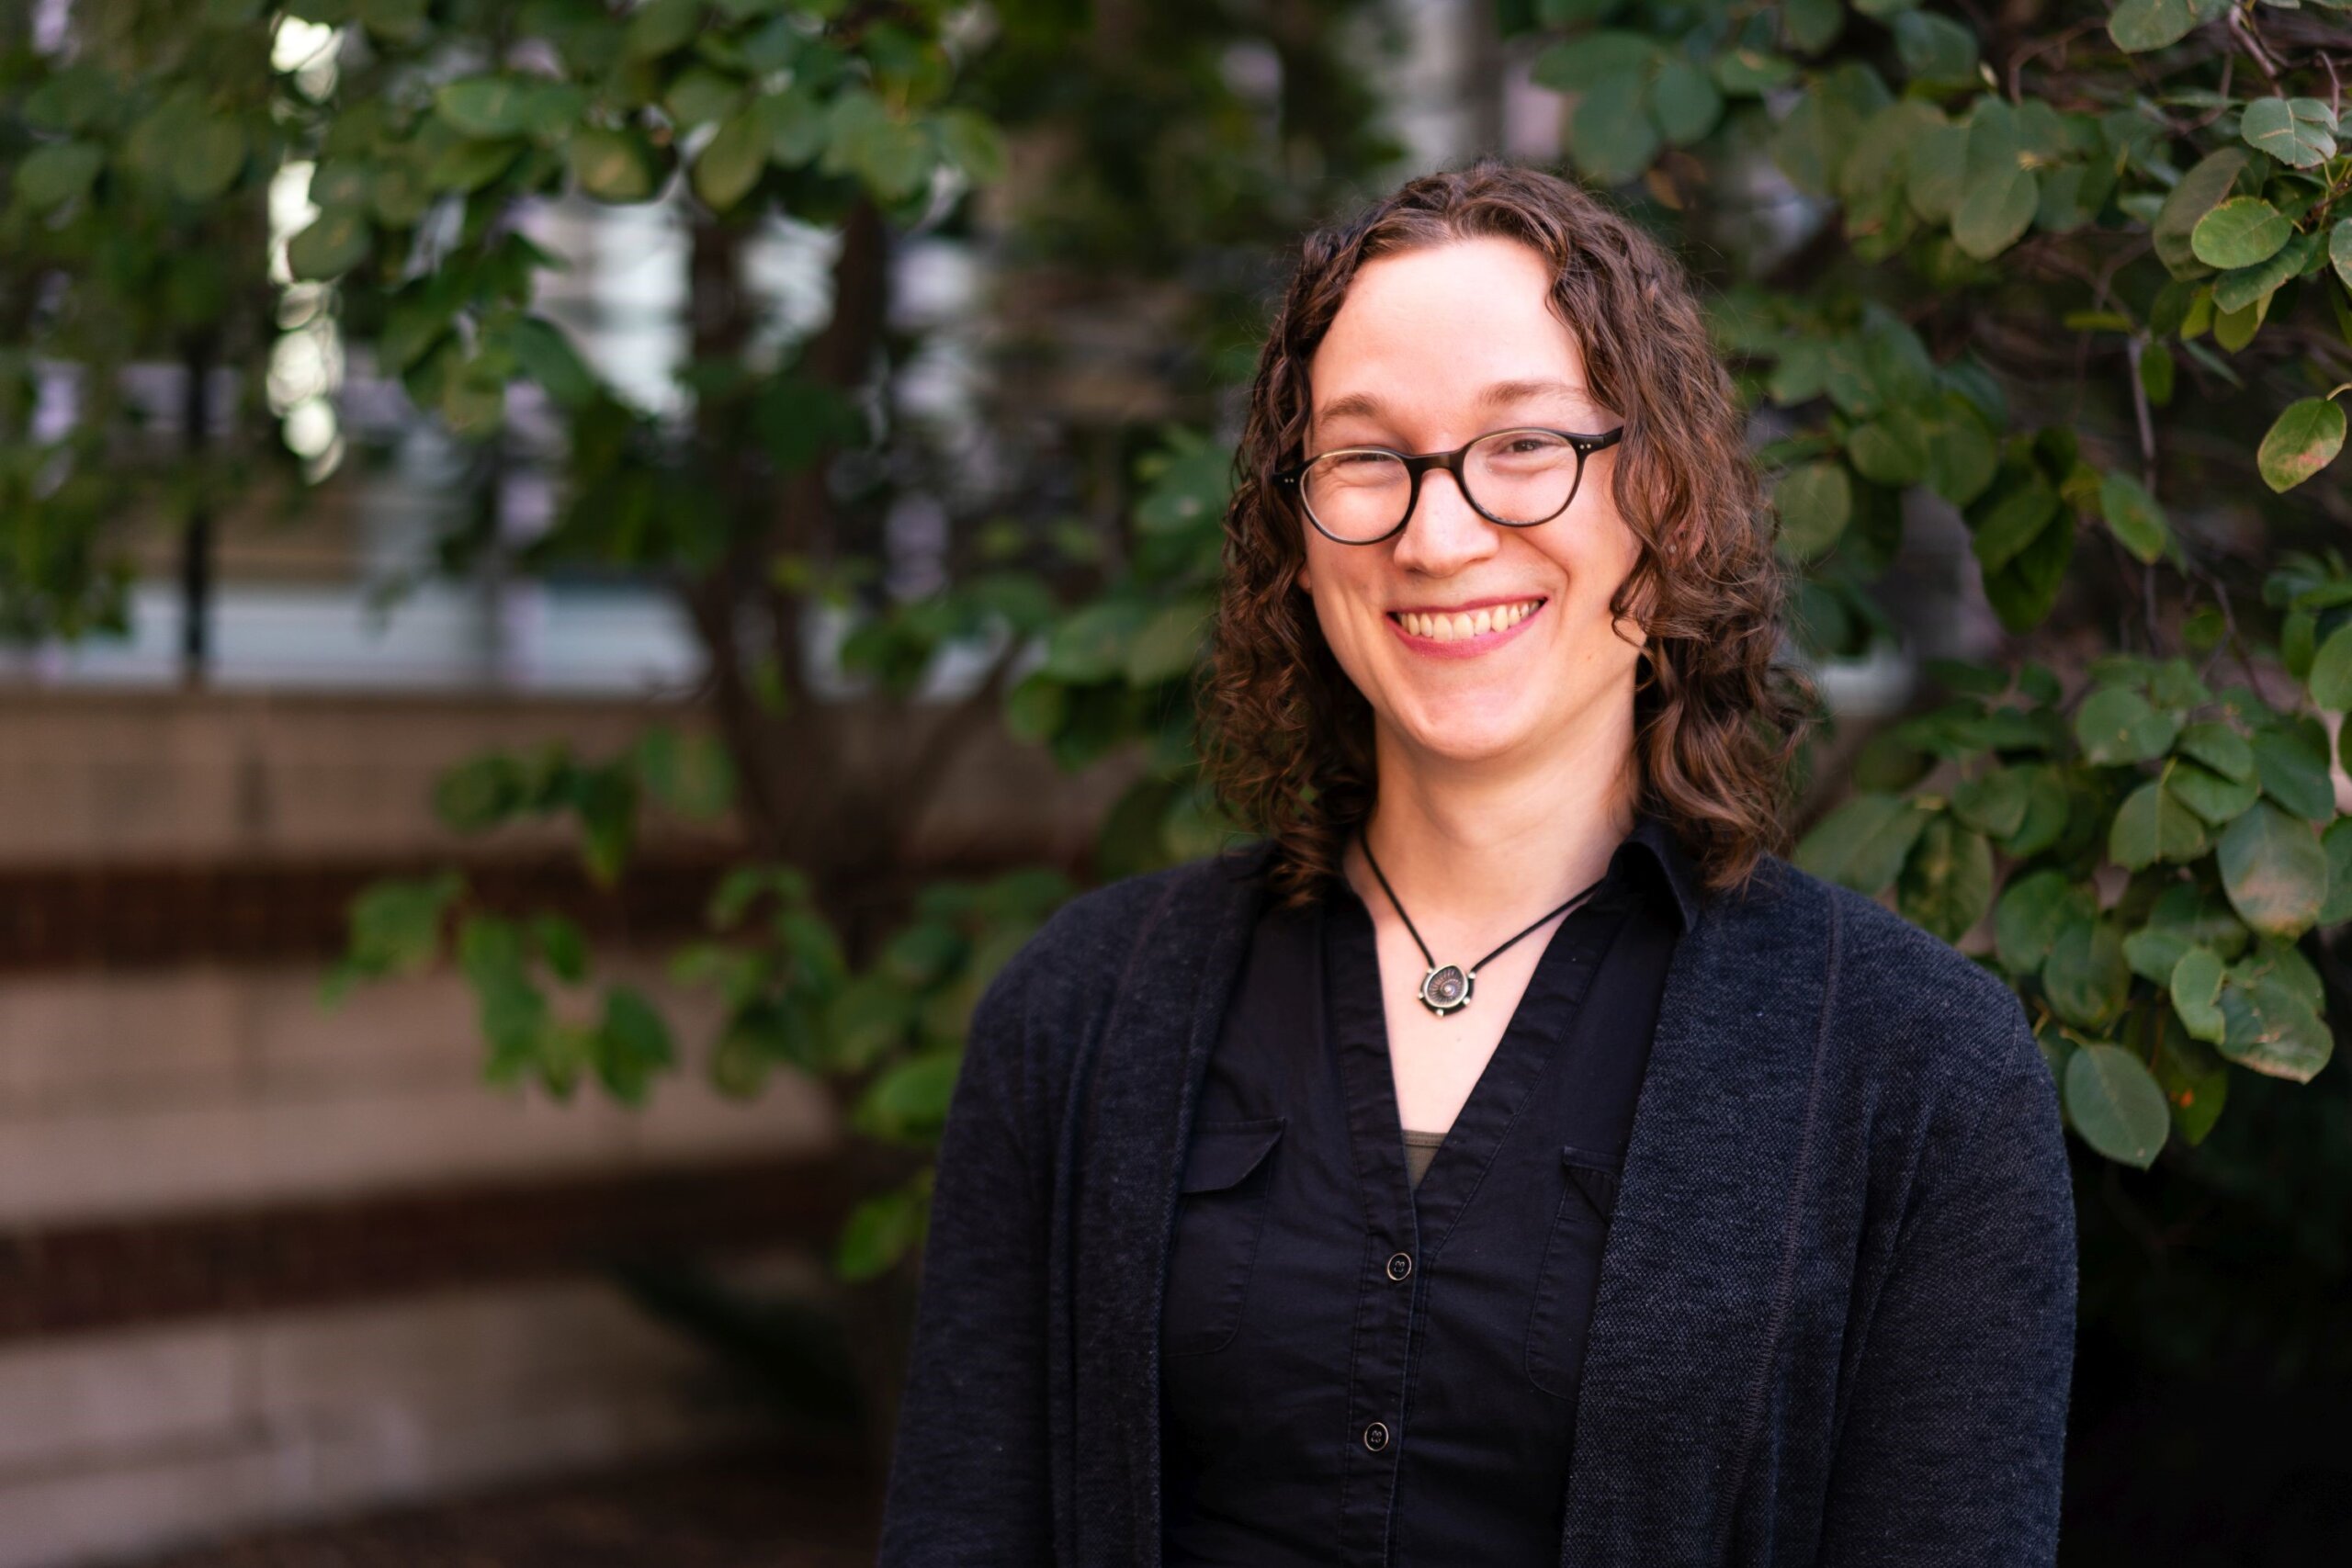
(1953, 1442)
(968, 1480)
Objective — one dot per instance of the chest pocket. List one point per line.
(1570, 1271)
(1219, 1217)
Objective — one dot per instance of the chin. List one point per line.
(1468, 737)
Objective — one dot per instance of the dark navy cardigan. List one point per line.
(1835, 1323)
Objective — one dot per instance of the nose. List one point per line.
(1444, 533)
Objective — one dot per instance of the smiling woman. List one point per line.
(1715, 1216)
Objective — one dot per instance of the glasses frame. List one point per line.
(1418, 464)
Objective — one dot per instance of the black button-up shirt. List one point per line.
(1359, 1371)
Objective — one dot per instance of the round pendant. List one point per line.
(1446, 989)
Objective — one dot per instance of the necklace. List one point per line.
(1446, 987)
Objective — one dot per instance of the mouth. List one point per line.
(1464, 631)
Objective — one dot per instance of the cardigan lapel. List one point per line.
(1138, 1121)
(1695, 1278)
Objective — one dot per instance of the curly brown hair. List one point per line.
(1285, 737)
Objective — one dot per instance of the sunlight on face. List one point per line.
(1430, 349)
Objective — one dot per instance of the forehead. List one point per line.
(1437, 335)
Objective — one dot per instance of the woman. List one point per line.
(1508, 1158)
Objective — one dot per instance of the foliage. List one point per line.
(424, 146)
(2074, 279)
(2073, 275)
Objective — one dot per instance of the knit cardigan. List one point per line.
(1836, 1312)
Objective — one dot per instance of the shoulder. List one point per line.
(1938, 1076)
(1121, 934)
(1915, 1004)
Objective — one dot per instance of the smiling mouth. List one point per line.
(1463, 623)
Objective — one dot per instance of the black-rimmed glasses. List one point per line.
(1519, 478)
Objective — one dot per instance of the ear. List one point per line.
(1305, 584)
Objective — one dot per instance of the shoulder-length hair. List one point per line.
(1286, 738)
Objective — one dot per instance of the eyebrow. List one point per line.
(1365, 405)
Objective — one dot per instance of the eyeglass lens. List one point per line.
(1516, 475)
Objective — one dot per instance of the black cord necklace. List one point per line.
(1446, 987)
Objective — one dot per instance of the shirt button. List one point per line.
(1376, 1437)
(1400, 1266)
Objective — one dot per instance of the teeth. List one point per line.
(1474, 623)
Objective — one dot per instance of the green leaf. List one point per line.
(2233, 330)
(731, 164)
(2158, 370)
(2274, 871)
(2033, 911)
(2115, 1102)
(1093, 644)
(207, 156)
(2338, 844)
(1892, 449)
(2203, 188)
(2115, 725)
(2140, 26)
(1934, 48)
(2195, 1079)
(1751, 73)
(563, 945)
(1864, 844)
(2184, 910)
(2243, 288)
(2339, 250)
(2298, 132)
(2134, 517)
(1815, 500)
(910, 1100)
(2017, 516)
(2219, 801)
(2304, 439)
(2219, 747)
(2331, 674)
(658, 27)
(1947, 882)
(2085, 976)
(1610, 131)
(2241, 231)
(1811, 25)
(614, 166)
(703, 97)
(395, 928)
(2196, 988)
(2153, 825)
(879, 1232)
(547, 357)
(1604, 55)
(492, 108)
(1937, 172)
(865, 139)
(1685, 101)
(1996, 209)
(2271, 1028)
(691, 775)
(2291, 758)
(1170, 643)
(632, 1045)
(1995, 801)
(334, 243)
(973, 144)
(56, 172)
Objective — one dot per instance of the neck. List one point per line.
(1477, 851)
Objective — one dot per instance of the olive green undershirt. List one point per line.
(1419, 1149)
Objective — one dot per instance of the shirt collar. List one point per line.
(1652, 837)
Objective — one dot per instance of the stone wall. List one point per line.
(260, 1260)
